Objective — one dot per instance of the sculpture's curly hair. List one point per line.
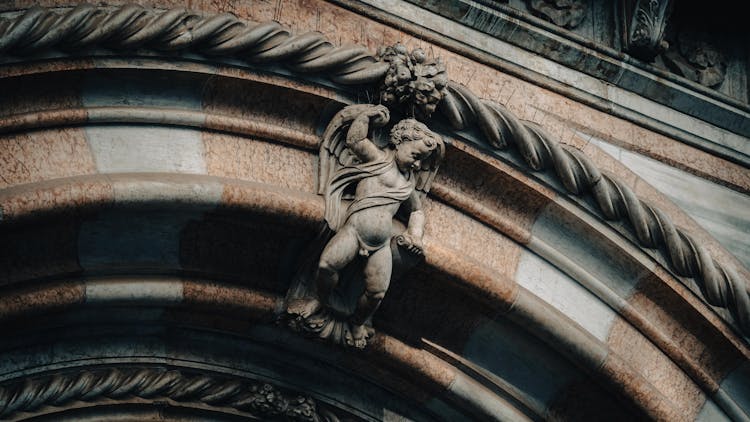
(409, 130)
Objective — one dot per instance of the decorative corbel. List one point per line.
(643, 23)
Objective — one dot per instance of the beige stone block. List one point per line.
(35, 300)
(273, 105)
(421, 365)
(490, 191)
(295, 209)
(640, 391)
(453, 228)
(64, 196)
(44, 155)
(229, 299)
(258, 161)
(656, 369)
(689, 333)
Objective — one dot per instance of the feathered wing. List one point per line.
(427, 171)
(334, 153)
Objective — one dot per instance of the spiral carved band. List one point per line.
(130, 27)
(257, 399)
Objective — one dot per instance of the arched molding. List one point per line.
(224, 35)
(422, 368)
(499, 296)
(496, 295)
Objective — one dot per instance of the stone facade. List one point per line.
(584, 253)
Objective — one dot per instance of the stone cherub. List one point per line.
(365, 186)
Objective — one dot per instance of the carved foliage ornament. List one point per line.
(644, 23)
(412, 80)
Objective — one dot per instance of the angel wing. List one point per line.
(333, 150)
(429, 167)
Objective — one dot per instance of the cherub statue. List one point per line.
(364, 186)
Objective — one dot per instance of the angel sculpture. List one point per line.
(364, 186)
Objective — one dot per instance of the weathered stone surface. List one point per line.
(44, 155)
(264, 162)
(657, 369)
(247, 159)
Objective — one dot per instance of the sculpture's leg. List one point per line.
(340, 250)
(377, 278)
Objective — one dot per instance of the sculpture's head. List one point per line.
(414, 143)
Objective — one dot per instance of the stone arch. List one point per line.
(143, 194)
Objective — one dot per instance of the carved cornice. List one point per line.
(129, 27)
(261, 400)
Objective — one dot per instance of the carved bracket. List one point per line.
(643, 23)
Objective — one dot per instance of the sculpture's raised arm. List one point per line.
(357, 137)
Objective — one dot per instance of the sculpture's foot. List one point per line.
(304, 307)
(356, 336)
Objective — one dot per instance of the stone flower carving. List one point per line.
(349, 266)
(412, 81)
(566, 13)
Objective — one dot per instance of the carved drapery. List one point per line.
(129, 27)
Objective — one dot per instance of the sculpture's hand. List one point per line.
(410, 243)
(379, 115)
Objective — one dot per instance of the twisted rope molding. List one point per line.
(130, 27)
(258, 399)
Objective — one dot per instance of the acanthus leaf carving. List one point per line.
(645, 22)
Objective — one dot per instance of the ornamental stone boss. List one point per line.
(365, 185)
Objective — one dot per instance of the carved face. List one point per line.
(409, 155)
